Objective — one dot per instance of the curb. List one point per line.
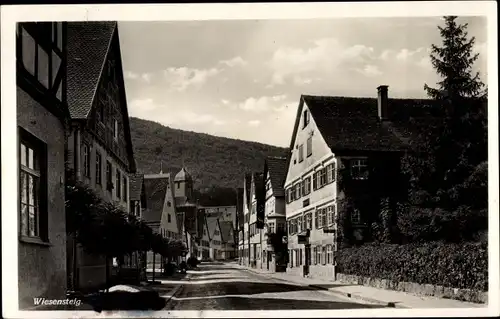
(343, 294)
(358, 297)
(174, 291)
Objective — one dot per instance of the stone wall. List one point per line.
(418, 289)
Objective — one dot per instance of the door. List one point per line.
(269, 258)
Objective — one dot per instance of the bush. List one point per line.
(450, 265)
(417, 224)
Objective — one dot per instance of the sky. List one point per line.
(243, 78)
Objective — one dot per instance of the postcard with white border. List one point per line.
(250, 160)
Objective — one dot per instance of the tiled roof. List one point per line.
(350, 123)
(276, 166)
(136, 183)
(88, 45)
(226, 230)
(156, 190)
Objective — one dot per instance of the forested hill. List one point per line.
(212, 161)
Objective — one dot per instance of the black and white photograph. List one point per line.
(250, 160)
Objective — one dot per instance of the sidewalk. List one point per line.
(167, 286)
(388, 298)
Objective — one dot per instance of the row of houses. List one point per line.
(72, 117)
(343, 164)
(172, 211)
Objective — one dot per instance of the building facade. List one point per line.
(244, 234)
(274, 212)
(256, 222)
(214, 232)
(228, 239)
(42, 119)
(355, 141)
(100, 149)
(310, 199)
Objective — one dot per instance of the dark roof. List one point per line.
(351, 123)
(226, 227)
(276, 166)
(248, 184)
(136, 184)
(156, 190)
(88, 45)
(259, 186)
(239, 200)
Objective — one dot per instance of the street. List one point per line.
(224, 287)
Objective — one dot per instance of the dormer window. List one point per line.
(306, 118)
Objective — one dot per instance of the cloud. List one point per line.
(146, 77)
(299, 80)
(405, 54)
(131, 75)
(236, 61)
(324, 54)
(225, 102)
(254, 123)
(261, 104)
(182, 78)
(370, 70)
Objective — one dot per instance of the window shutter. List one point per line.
(315, 181)
(316, 219)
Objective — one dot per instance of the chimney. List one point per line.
(382, 102)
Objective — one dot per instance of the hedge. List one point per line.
(446, 264)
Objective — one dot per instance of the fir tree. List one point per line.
(457, 146)
(453, 62)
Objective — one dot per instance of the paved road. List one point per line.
(222, 287)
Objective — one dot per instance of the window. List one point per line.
(306, 118)
(330, 173)
(303, 223)
(109, 172)
(303, 187)
(323, 255)
(325, 217)
(86, 160)
(115, 130)
(307, 186)
(32, 193)
(309, 221)
(301, 153)
(329, 254)
(125, 188)
(271, 228)
(299, 224)
(169, 219)
(331, 218)
(322, 177)
(280, 227)
(309, 146)
(306, 202)
(297, 191)
(356, 216)
(316, 221)
(118, 182)
(98, 168)
(315, 181)
(359, 169)
(318, 254)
